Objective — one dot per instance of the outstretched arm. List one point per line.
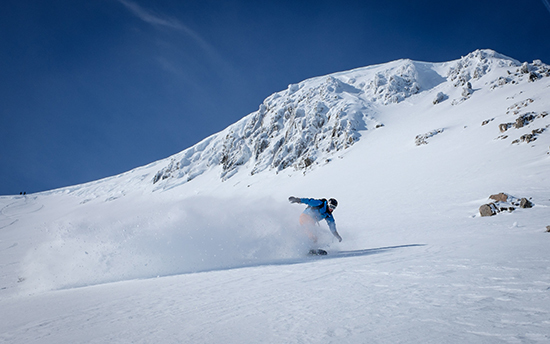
(307, 201)
(332, 226)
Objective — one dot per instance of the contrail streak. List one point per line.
(155, 19)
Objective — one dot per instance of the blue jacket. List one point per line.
(318, 210)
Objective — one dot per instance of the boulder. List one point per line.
(504, 126)
(519, 123)
(525, 203)
(488, 209)
(501, 197)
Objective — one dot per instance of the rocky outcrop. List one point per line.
(295, 128)
(393, 86)
(529, 137)
(523, 120)
(477, 64)
(503, 203)
(526, 71)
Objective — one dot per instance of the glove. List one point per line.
(293, 199)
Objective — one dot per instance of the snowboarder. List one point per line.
(317, 210)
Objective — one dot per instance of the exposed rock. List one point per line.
(532, 72)
(547, 229)
(519, 123)
(501, 197)
(421, 139)
(488, 209)
(525, 203)
(503, 202)
(504, 126)
(395, 84)
(527, 138)
(514, 108)
(524, 120)
(475, 65)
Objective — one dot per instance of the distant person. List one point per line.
(317, 210)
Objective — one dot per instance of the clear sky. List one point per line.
(90, 89)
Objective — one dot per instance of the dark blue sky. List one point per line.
(90, 89)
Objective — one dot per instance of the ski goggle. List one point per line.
(332, 206)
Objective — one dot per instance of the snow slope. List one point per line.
(204, 247)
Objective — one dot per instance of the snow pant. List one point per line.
(308, 225)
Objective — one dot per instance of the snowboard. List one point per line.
(317, 252)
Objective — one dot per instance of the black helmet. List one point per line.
(332, 203)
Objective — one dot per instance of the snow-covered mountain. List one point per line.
(307, 124)
(203, 246)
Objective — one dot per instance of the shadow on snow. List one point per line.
(366, 252)
(330, 255)
(303, 260)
